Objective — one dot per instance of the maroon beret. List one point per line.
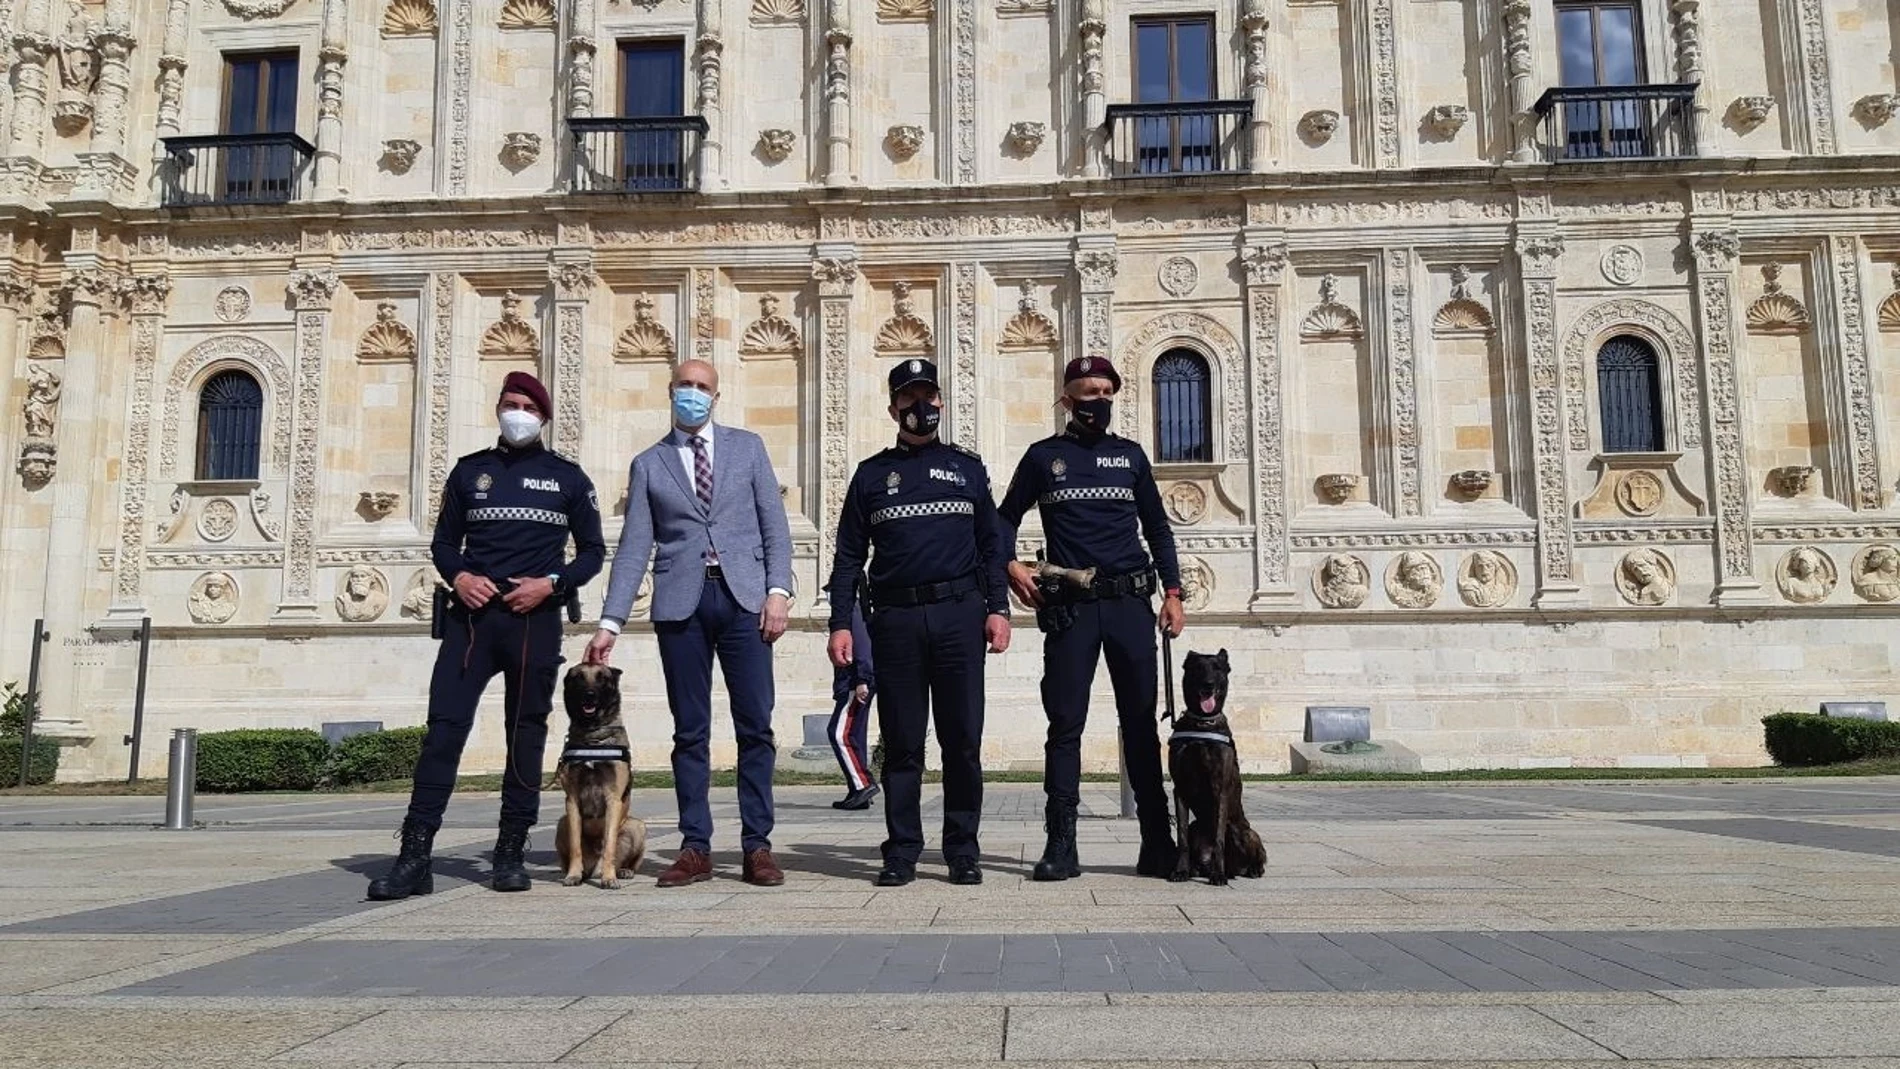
(529, 387)
(1092, 367)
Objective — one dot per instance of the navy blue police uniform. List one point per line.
(1099, 502)
(506, 512)
(924, 517)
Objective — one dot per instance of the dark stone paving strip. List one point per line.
(1496, 962)
(1877, 841)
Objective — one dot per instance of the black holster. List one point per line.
(439, 602)
(1057, 613)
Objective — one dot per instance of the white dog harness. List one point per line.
(1200, 736)
(590, 755)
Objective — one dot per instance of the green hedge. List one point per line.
(273, 759)
(1808, 739)
(374, 756)
(40, 767)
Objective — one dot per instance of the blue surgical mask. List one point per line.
(691, 406)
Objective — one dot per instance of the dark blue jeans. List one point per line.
(719, 627)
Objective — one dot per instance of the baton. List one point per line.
(1167, 672)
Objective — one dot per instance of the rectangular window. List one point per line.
(652, 78)
(1174, 60)
(260, 94)
(1599, 44)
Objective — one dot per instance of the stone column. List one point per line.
(148, 294)
(1094, 90)
(572, 276)
(707, 57)
(312, 288)
(837, 93)
(1688, 20)
(114, 44)
(171, 85)
(32, 47)
(835, 273)
(1253, 24)
(1717, 250)
(1538, 250)
(332, 54)
(580, 59)
(1264, 264)
(1846, 308)
(1519, 67)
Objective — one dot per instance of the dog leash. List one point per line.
(1167, 672)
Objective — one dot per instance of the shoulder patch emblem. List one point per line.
(484, 481)
(593, 500)
(1057, 466)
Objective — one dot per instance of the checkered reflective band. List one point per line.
(926, 508)
(1087, 493)
(1199, 736)
(559, 519)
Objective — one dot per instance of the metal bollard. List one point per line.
(181, 779)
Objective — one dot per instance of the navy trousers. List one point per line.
(719, 628)
(931, 655)
(1123, 631)
(526, 651)
(849, 733)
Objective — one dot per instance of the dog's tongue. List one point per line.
(1207, 704)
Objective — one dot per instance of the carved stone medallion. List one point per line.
(1876, 573)
(232, 304)
(1342, 582)
(418, 602)
(1646, 577)
(361, 595)
(1639, 494)
(1197, 583)
(1413, 580)
(1806, 575)
(1622, 265)
(1486, 579)
(1178, 276)
(218, 520)
(213, 598)
(1186, 502)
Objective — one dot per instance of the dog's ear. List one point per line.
(616, 674)
(1221, 658)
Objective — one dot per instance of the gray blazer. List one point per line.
(665, 520)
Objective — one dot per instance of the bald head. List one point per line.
(697, 373)
(695, 387)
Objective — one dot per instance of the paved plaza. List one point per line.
(1698, 923)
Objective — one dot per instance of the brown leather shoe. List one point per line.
(691, 866)
(761, 870)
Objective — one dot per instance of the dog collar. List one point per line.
(1200, 736)
(575, 754)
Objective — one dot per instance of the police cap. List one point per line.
(913, 371)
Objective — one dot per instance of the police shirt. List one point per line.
(923, 514)
(508, 512)
(1097, 493)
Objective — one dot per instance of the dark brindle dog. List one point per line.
(1206, 773)
(596, 771)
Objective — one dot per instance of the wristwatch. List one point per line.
(555, 578)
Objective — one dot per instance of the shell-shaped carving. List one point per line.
(1029, 328)
(409, 18)
(388, 341)
(904, 332)
(905, 10)
(1462, 316)
(778, 10)
(771, 334)
(527, 15)
(1777, 313)
(1331, 320)
(1890, 312)
(510, 337)
(647, 338)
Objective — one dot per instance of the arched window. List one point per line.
(1184, 408)
(1629, 389)
(230, 422)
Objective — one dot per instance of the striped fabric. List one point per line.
(558, 519)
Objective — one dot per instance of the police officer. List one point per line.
(921, 510)
(507, 513)
(1099, 501)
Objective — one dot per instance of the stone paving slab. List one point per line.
(1823, 835)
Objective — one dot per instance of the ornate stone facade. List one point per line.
(1405, 300)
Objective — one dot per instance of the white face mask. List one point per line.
(518, 428)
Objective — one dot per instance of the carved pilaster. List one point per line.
(837, 95)
(1716, 250)
(312, 291)
(148, 294)
(835, 274)
(1688, 37)
(1849, 308)
(460, 17)
(1518, 67)
(1537, 255)
(1096, 264)
(171, 84)
(1381, 88)
(573, 280)
(1264, 266)
(1253, 26)
(580, 58)
(1402, 381)
(31, 47)
(114, 45)
(963, 89)
(1808, 75)
(705, 311)
(963, 417)
(707, 55)
(1093, 28)
(439, 363)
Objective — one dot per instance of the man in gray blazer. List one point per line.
(704, 504)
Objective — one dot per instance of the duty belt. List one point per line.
(1141, 584)
(897, 597)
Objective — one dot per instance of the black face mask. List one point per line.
(1093, 414)
(921, 418)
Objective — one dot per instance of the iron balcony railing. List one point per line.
(1197, 137)
(236, 169)
(1619, 122)
(636, 155)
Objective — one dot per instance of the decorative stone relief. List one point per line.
(1889, 315)
(1537, 256)
(1210, 335)
(418, 601)
(904, 141)
(1446, 120)
(1186, 503)
(771, 334)
(904, 333)
(1856, 371)
(409, 18)
(527, 15)
(1875, 109)
(40, 408)
(461, 82)
(78, 58)
(1776, 311)
(388, 340)
(1337, 488)
(399, 155)
(213, 598)
(1178, 276)
(1677, 352)
(257, 9)
(1342, 581)
(769, 12)
(1197, 584)
(520, 149)
(1806, 575)
(1020, 8)
(1029, 328)
(1622, 265)
(1462, 315)
(647, 338)
(1876, 573)
(1486, 579)
(1792, 480)
(1264, 265)
(1382, 34)
(37, 461)
(1750, 111)
(1413, 580)
(1318, 127)
(1402, 373)
(1025, 138)
(218, 520)
(1646, 577)
(376, 505)
(232, 304)
(963, 354)
(776, 145)
(1639, 494)
(905, 10)
(510, 337)
(362, 593)
(835, 275)
(963, 90)
(1472, 482)
(1330, 319)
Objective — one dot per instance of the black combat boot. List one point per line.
(1157, 841)
(1058, 857)
(411, 874)
(510, 870)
